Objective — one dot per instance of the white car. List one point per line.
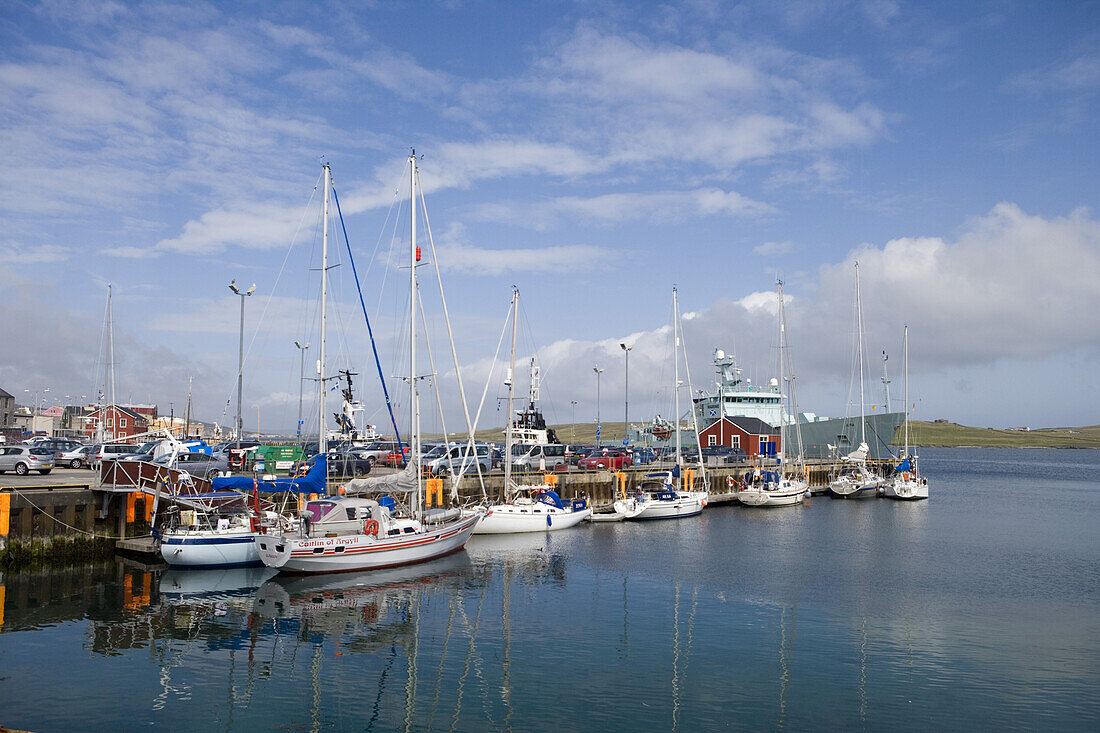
(75, 458)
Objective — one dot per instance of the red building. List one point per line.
(118, 423)
(750, 434)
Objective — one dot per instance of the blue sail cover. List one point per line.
(903, 466)
(551, 498)
(312, 483)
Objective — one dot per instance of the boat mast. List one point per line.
(790, 379)
(322, 438)
(859, 329)
(111, 366)
(676, 367)
(905, 358)
(414, 446)
(782, 383)
(511, 391)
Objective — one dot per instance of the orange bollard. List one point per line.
(131, 506)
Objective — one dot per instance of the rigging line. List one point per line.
(370, 332)
(489, 379)
(446, 314)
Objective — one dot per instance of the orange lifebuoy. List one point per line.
(371, 527)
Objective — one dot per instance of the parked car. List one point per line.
(396, 458)
(76, 458)
(340, 464)
(58, 445)
(108, 452)
(461, 458)
(379, 450)
(201, 465)
(22, 459)
(574, 453)
(719, 454)
(605, 458)
(538, 457)
(221, 450)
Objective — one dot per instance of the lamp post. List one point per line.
(626, 392)
(573, 421)
(598, 373)
(240, 353)
(301, 380)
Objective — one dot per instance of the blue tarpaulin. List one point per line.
(312, 483)
(904, 466)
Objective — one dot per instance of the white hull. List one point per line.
(210, 548)
(344, 553)
(907, 489)
(788, 493)
(686, 505)
(847, 489)
(535, 517)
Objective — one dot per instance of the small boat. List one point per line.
(907, 482)
(776, 488)
(768, 488)
(855, 480)
(657, 498)
(535, 508)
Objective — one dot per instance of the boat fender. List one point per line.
(730, 482)
(371, 527)
(549, 521)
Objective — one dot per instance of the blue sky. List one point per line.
(592, 154)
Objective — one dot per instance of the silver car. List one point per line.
(77, 458)
(22, 459)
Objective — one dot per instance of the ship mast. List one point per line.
(322, 437)
(676, 368)
(414, 447)
(511, 379)
(859, 329)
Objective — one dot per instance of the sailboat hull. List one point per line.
(513, 519)
(345, 553)
(210, 549)
(787, 494)
(686, 505)
(907, 489)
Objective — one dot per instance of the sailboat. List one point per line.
(659, 495)
(344, 533)
(780, 488)
(907, 483)
(534, 508)
(855, 479)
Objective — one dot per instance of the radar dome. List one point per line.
(719, 354)
(774, 382)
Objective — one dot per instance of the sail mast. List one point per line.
(414, 446)
(322, 438)
(859, 329)
(906, 405)
(511, 393)
(676, 367)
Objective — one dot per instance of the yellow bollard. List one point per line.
(550, 479)
(5, 513)
(620, 479)
(131, 505)
(434, 486)
(148, 507)
(689, 479)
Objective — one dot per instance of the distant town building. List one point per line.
(117, 422)
(7, 409)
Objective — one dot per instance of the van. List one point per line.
(548, 457)
(109, 451)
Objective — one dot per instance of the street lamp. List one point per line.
(626, 392)
(573, 421)
(301, 381)
(598, 373)
(240, 354)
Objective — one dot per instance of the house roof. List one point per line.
(748, 425)
(124, 410)
(5, 394)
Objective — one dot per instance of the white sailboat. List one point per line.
(907, 482)
(534, 508)
(781, 487)
(855, 479)
(660, 495)
(344, 533)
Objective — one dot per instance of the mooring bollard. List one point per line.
(5, 513)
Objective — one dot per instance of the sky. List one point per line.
(594, 155)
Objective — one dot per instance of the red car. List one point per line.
(612, 459)
(397, 459)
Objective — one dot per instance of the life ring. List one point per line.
(730, 481)
(371, 527)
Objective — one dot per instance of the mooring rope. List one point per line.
(63, 524)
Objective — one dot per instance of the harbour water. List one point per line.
(979, 608)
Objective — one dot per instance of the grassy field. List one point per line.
(921, 433)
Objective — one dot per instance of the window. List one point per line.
(735, 441)
(712, 440)
(110, 422)
(122, 422)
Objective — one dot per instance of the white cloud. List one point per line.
(773, 249)
(19, 253)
